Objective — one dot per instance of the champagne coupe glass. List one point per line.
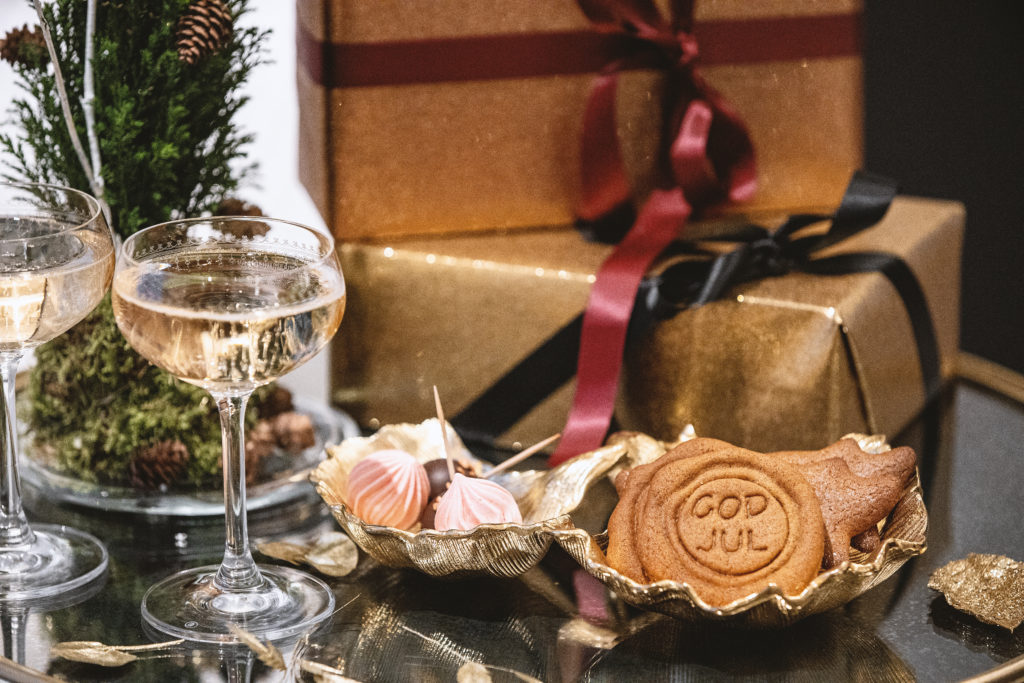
(230, 304)
(56, 261)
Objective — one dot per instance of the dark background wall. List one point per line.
(944, 89)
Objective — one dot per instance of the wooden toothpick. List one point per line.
(519, 457)
(444, 435)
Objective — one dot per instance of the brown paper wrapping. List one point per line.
(782, 363)
(457, 156)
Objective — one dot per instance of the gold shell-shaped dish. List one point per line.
(545, 498)
(902, 535)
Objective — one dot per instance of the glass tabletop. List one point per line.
(398, 625)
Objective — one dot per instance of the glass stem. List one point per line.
(238, 665)
(12, 623)
(238, 571)
(14, 530)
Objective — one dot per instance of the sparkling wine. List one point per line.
(48, 285)
(228, 319)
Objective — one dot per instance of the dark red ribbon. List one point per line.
(709, 157)
(558, 53)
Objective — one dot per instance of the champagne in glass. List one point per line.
(56, 262)
(230, 304)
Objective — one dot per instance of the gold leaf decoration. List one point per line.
(91, 652)
(282, 550)
(333, 554)
(100, 654)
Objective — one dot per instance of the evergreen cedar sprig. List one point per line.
(169, 145)
(166, 130)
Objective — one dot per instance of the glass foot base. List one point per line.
(188, 605)
(59, 560)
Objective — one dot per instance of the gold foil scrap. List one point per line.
(642, 449)
(988, 587)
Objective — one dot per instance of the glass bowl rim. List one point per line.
(124, 257)
(95, 211)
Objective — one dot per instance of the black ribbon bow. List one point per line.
(758, 253)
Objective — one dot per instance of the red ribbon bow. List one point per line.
(709, 158)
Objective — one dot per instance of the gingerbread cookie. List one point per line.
(854, 495)
(897, 463)
(725, 520)
(850, 505)
(686, 449)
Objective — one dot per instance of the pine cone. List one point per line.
(294, 431)
(159, 465)
(202, 30)
(275, 401)
(25, 46)
(232, 206)
(259, 443)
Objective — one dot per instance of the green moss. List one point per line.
(96, 402)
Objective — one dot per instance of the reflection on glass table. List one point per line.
(399, 625)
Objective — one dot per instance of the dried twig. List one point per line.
(9, 667)
(88, 102)
(62, 92)
(323, 673)
(265, 651)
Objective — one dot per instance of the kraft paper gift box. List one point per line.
(779, 363)
(459, 115)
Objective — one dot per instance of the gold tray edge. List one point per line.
(990, 375)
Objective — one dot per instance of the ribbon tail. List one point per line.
(688, 151)
(605, 185)
(606, 320)
(729, 142)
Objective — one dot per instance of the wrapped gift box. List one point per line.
(469, 115)
(784, 362)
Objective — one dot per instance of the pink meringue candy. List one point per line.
(388, 488)
(471, 502)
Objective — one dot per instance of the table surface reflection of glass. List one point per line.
(396, 625)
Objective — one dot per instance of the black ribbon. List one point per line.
(759, 253)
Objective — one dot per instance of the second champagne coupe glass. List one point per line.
(229, 304)
(56, 260)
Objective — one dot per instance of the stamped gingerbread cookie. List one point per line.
(725, 520)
